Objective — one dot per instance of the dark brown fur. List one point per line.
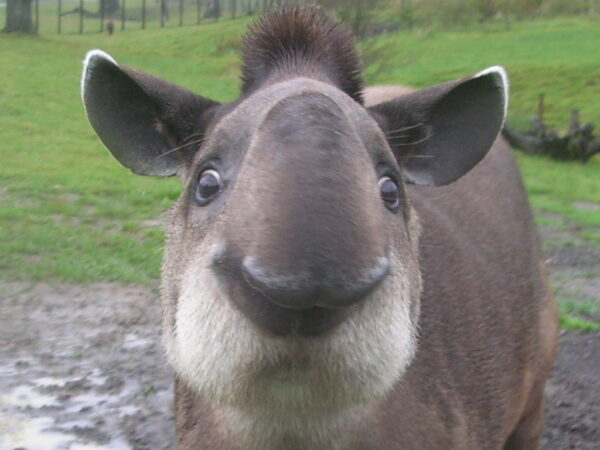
(483, 293)
(297, 41)
(486, 310)
(300, 196)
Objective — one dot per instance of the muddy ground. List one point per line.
(82, 368)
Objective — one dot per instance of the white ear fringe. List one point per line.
(501, 72)
(90, 60)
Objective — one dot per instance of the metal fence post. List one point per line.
(123, 15)
(37, 16)
(59, 15)
(143, 14)
(80, 16)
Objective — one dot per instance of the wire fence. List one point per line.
(91, 16)
(86, 16)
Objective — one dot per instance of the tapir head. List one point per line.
(291, 272)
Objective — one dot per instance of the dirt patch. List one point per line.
(589, 206)
(574, 270)
(573, 394)
(83, 367)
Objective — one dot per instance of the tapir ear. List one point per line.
(141, 118)
(440, 133)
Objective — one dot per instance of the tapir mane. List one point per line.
(301, 41)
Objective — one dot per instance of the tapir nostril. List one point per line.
(289, 291)
(301, 290)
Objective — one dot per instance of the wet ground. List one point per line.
(573, 392)
(82, 368)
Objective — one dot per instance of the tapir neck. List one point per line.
(200, 425)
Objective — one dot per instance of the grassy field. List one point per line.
(70, 213)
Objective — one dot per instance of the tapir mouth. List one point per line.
(280, 321)
(319, 315)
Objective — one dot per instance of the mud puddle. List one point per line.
(82, 368)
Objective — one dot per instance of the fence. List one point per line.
(82, 16)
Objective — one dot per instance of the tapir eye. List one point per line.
(390, 193)
(209, 186)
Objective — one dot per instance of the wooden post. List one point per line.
(541, 108)
(123, 15)
(59, 16)
(217, 5)
(180, 12)
(101, 18)
(574, 127)
(143, 14)
(80, 16)
(37, 16)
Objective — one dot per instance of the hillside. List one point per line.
(70, 213)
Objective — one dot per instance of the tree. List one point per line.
(18, 16)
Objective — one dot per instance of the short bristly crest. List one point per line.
(302, 41)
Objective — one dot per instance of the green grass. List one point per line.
(568, 189)
(559, 58)
(69, 212)
(578, 311)
(575, 323)
(578, 315)
(585, 309)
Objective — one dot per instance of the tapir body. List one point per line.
(345, 268)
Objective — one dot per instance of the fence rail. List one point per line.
(86, 16)
(83, 16)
